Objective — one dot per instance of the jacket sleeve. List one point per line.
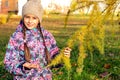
(52, 46)
(13, 61)
(54, 50)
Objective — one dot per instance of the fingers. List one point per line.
(67, 55)
(36, 66)
(67, 52)
(27, 65)
(30, 66)
(67, 49)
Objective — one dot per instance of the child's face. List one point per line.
(31, 21)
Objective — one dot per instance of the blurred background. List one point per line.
(90, 27)
(15, 6)
(62, 6)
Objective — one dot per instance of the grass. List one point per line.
(105, 67)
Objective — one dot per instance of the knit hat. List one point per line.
(33, 7)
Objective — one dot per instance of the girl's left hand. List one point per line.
(67, 52)
(30, 65)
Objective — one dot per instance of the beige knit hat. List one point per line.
(33, 7)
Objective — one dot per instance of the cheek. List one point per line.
(36, 23)
(25, 21)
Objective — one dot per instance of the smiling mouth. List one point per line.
(29, 25)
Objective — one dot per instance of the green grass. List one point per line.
(55, 24)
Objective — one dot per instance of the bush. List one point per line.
(3, 19)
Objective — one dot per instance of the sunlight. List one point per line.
(45, 4)
(63, 2)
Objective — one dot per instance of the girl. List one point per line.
(31, 47)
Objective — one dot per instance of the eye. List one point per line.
(27, 17)
(35, 18)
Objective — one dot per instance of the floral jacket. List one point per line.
(14, 57)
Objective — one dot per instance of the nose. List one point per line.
(30, 20)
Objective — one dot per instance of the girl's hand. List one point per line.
(30, 66)
(67, 52)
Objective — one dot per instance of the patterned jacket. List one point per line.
(14, 57)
